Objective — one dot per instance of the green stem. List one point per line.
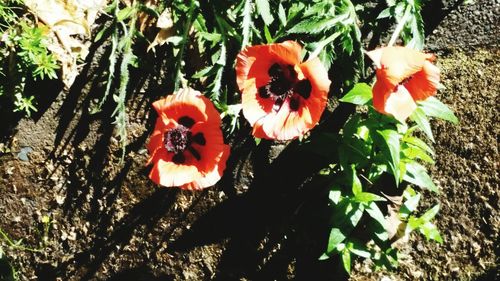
(11, 243)
(323, 43)
(400, 26)
(180, 55)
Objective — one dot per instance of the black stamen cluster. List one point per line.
(180, 139)
(283, 84)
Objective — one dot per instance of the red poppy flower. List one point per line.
(282, 97)
(187, 148)
(404, 76)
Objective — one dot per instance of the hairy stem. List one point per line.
(180, 55)
(400, 26)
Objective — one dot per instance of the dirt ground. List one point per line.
(109, 222)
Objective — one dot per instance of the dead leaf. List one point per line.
(66, 19)
(165, 24)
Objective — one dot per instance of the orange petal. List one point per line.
(255, 107)
(288, 52)
(214, 144)
(169, 174)
(397, 63)
(381, 91)
(282, 125)
(258, 131)
(211, 177)
(400, 104)
(316, 73)
(424, 83)
(252, 65)
(186, 102)
(254, 62)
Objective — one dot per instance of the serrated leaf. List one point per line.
(204, 72)
(282, 15)
(336, 237)
(435, 108)
(316, 24)
(416, 27)
(264, 11)
(418, 116)
(417, 174)
(360, 94)
(212, 37)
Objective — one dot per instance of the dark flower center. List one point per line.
(177, 139)
(180, 139)
(283, 84)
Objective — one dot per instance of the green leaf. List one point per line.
(435, 108)
(334, 196)
(346, 260)
(335, 238)
(246, 23)
(360, 94)
(354, 213)
(204, 72)
(366, 197)
(357, 188)
(414, 152)
(430, 214)
(212, 37)
(282, 15)
(175, 40)
(390, 146)
(125, 13)
(416, 25)
(264, 11)
(418, 143)
(374, 211)
(409, 206)
(358, 249)
(419, 117)
(101, 33)
(323, 257)
(431, 232)
(267, 34)
(384, 14)
(417, 174)
(317, 24)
